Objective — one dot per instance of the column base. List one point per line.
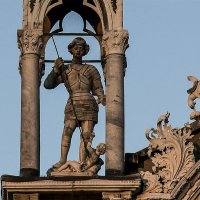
(114, 172)
(29, 172)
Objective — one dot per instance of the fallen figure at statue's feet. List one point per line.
(90, 167)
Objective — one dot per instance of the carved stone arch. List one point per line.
(105, 10)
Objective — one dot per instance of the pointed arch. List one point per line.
(94, 9)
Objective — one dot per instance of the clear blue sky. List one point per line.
(164, 50)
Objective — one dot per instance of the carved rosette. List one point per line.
(30, 41)
(171, 154)
(115, 42)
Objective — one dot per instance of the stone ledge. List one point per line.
(12, 185)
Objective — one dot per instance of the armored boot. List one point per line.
(83, 152)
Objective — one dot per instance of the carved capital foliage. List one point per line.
(115, 42)
(194, 93)
(171, 154)
(30, 41)
(117, 195)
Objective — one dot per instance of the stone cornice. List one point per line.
(115, 42)
(29, 41)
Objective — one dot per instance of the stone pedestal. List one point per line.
(81, 188)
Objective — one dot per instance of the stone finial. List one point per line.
(171, 154)
(115, 42)
(194, 93)
(29, 41)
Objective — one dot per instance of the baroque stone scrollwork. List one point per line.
(171, 154)
(30, 41)
(194, 93)
(115, 42)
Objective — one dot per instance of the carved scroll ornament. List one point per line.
(115, 42)
(194, 93)
(171, 153)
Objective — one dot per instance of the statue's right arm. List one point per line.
(52, 80)
(55, 76)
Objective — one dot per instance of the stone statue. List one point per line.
(92, 164)
(83, 82)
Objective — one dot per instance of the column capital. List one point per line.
(127, 195)
(115, 42)
(29, 41)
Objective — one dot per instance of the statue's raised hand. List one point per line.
(59, 62)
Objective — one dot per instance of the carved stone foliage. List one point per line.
(29, 41)
(171, 154)
(194, 93)
(115, 42)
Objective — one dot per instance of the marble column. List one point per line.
(30, 42)
(114, 45)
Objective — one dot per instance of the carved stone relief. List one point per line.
(115, 42)
(171, 154)
(194, 93)
(117, 195)
(30, 41)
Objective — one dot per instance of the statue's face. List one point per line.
(78, 50)
(101, 149)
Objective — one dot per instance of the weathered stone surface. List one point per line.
(127, 195)
(71, 187)
(26, 196)
(29, 44)
(114, 45)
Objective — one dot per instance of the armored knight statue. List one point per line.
(82, 82)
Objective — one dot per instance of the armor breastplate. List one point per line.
(78, 78)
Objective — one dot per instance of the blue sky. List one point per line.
(164, 50)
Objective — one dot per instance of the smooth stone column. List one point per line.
(115, 114)
(29, 42)
(114, 44)
(30, 118)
